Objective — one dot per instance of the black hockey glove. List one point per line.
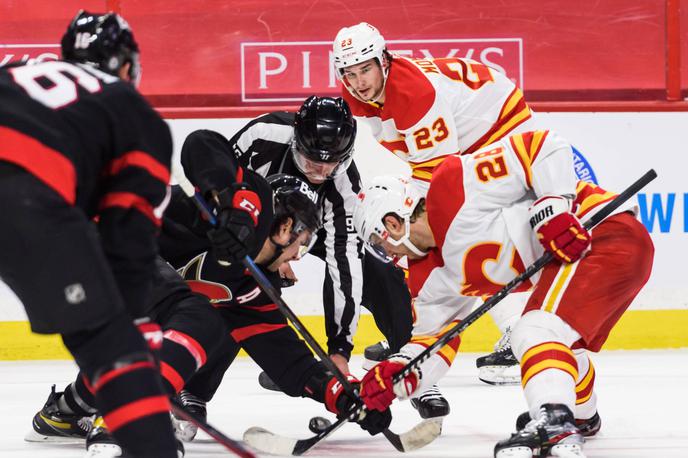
(338, 402)
(234, 236)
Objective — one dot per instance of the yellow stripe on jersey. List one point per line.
(594, 200)
(447, 352)
(423, 170)
(508, 120)
(527, 147)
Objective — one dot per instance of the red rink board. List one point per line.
(248, 53)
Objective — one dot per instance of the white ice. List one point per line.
(643, 402)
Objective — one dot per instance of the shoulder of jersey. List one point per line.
(409, 94)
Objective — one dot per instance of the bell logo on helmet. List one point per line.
(312, 195)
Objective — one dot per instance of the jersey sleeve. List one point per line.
(343, 284)
(208, 161)
(437, 308)
(136, 192)
(261, 141)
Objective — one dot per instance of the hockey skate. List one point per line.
(101, 444)
(552, 433)
(185, 430)
(588, 427)
(266, 382)
(51, 425)
(431, 404)
(375, 353)
(500, 367)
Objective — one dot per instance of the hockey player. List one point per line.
(316, 144)
(485, 217)
(424, 110)
(78, 142)
(194, 332)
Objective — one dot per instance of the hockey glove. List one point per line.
(377, 389)
(339, 403)
(234, 236)
(558, 229)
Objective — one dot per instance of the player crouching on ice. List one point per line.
(485, 217)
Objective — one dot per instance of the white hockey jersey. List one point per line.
(438, 107)
(477, 208)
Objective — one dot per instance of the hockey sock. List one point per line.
(181, 357)
(77, 399)
(586, 399)
(127, 387)
(548, 375)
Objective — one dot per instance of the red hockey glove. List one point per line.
(238, 209)
(338, 402)
(377, 389)
(151, 332)
(558, 229)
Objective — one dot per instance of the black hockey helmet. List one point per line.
(294, 198)
(324, 131)
(104, 41)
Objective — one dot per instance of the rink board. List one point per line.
(637, 329)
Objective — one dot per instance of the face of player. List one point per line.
(396, 231)
(296, 245)
(367, 79)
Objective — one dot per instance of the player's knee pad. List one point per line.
(95, 348)
(538, 326)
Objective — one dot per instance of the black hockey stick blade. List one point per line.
(230, 444)
(535, 267)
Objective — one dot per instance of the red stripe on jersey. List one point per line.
(170, 374)
(241, 334)
(189, 343)
(47, 164)
(129, 200)
(136, 410)
(265, 308)
(445, 197)
(409, 94)
(141, 160)
(114, 373)
(240, 175)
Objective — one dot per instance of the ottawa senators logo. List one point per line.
(215, 292)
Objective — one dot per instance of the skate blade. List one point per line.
(103, 451)
(567, 451)
(496, 375)
(515, 452)
(33, 436)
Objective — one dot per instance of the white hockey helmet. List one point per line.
(356, 44)
(384, 196)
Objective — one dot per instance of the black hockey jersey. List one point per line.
(96, 142)
(263, 145)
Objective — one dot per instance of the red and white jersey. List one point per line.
(477, 208)
(438, 107)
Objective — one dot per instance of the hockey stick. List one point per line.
(230, 444)
(529, 272)
(262, 439)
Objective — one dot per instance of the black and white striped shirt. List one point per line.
(263, 145)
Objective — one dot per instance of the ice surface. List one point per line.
(643, 402)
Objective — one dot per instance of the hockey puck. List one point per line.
(319, 424)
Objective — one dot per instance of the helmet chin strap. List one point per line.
(406, 241)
